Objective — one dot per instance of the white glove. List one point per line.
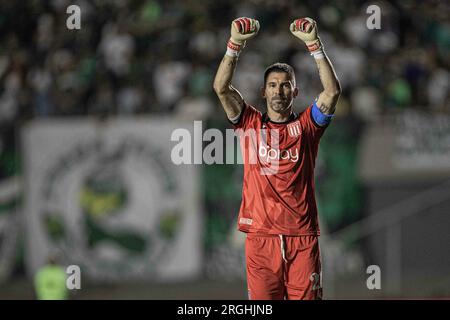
(242, 29)
(306, 30)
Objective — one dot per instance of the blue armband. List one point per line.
(320, 118)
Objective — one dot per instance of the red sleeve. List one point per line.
(313, 130)
(249, 116)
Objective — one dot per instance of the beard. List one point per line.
(280, 105)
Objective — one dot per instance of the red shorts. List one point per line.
(283, 267)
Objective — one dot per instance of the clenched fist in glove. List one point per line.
(306, 30)
(241, 29)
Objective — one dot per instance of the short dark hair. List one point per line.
(279, 67)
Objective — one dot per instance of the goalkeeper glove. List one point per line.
(306, 30)
(241, 29)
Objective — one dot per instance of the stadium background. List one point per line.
(136, 70)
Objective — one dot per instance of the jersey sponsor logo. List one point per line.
(246, 221)
(294, 129)
(272, 154)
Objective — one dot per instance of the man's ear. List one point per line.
(263, 92)
(296, 91)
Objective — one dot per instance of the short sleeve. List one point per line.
(313, 130)
(248, 116)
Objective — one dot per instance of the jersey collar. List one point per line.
(292, 117)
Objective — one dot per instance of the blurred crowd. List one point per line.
(152, 56)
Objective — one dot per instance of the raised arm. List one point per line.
(331, 88)
(230, 98)
(306, 30)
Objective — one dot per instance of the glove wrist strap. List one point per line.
(315, 48)
(314, 45)
(233, 48)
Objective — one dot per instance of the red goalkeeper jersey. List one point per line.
(278, 186)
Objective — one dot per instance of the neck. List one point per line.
(279, 117)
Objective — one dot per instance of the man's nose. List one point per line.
(280, 90)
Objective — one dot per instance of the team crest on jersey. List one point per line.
(294, 129)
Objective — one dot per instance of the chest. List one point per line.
(282, 145)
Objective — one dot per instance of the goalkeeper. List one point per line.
(278, 210)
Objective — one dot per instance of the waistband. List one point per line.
(267, 235)
(261, 235)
